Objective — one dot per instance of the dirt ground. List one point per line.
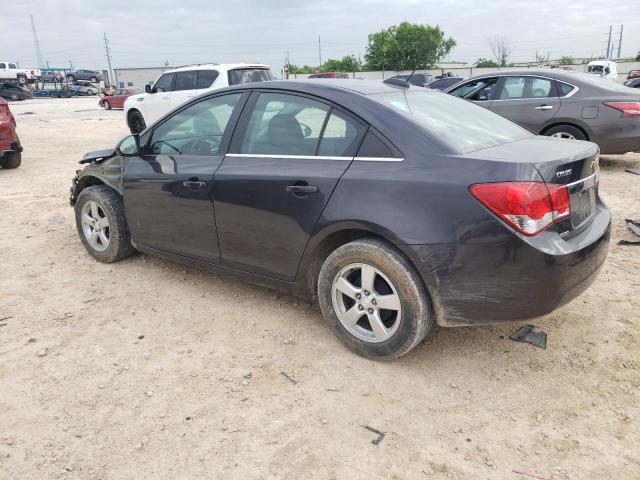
(146, 369)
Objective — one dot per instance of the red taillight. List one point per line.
(529, 207)
(628, 109)
(4, 113)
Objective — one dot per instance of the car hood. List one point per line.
(134, 98)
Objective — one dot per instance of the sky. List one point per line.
(148, 34)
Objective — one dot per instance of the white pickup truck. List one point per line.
(10, 71)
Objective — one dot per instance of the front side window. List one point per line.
(525, 87)
(463, 126)
(196, 130)
(3, 65)
(12, 66)
(477, 90)
(164, 83)
(282, 124)
(248, 75)
(206, 78)
(185, 81)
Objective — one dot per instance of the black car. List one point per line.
(444, 83)
(13, 91)
(90, 75)
(417, 79)
(399, 208)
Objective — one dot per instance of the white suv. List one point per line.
(174, 87)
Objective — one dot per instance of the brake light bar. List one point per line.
(628, 109)
(528, 207)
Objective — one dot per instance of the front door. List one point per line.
(288, 153)
(168, 189)
(157, 103)
(480, 91)
(529, 101)
(184, 88)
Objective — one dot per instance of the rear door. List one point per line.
(527, 100)
(168, 189)
(205, 80)
(287, 155)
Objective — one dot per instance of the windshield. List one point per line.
(595, 68)
(248, 75)
(461, 124)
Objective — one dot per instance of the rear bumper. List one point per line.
(511, 280)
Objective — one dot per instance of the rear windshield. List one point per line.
(248, 75)
(459, 123)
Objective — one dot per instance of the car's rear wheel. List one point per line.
(22, 80)
(136, 122)
(568, 132)
(106, 105)
(93, 79)
(102, 225)
(71, 78)
(373, 299)
(11, 159)
(89, 92)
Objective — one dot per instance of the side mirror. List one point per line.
(129, 146)
(147, 88)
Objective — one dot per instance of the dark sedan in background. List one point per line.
(90, 75)
(444, 83)
(563, 104)
(397, 207)
(633, 83)
(417, 79)
(13, 91)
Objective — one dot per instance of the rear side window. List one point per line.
(248, 75)
(564, 89)
(196, 130)
(375, 146)
(463, 126)
(206, 78)
(282, 124)
(185, 81)
(164, 83)
(342, 135)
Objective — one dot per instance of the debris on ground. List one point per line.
(42, 352)
(532, 335)
(634, 225)
(635, 171)
(531, 475)
(288, 377)
(376, 431)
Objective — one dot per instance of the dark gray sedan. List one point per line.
(398, 208)
(90, 75)
(562, 104)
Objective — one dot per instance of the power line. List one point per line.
(106, 47)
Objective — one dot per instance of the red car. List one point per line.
(10, 149)
(117, 98)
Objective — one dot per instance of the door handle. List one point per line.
(544, 107)
(194, 186)
(302, 190)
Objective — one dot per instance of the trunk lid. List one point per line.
(573, 163)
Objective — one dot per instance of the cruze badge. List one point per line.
(563, 173)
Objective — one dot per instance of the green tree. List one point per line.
(484, 63)
(348, 63)
(304, 69)
(566, 60)
(407, 46)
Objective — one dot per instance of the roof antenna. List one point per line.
(399, 82)
(409, 77)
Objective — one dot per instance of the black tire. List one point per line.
(136, 122)
(70, 78)
(110, 203)
(22, 80)
(11, 160)
(568, 130)
(417, 317)
(106, 105)
(93, 79)
(89, 92)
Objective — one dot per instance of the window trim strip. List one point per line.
(316, 157)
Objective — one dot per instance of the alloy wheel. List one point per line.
(366, 302)
(95, 225)
(564, 135)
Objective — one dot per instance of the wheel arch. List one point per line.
(91, 180)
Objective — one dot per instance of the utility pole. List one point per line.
(111, 74)
(71, 65)
(36, 43)
(620, 40)
(608, 55)
(319, 52)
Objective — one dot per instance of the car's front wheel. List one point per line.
(136, 122)
(106, 105)
(93, 79)
(102, 225)
(373, 299)
(71, 78)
